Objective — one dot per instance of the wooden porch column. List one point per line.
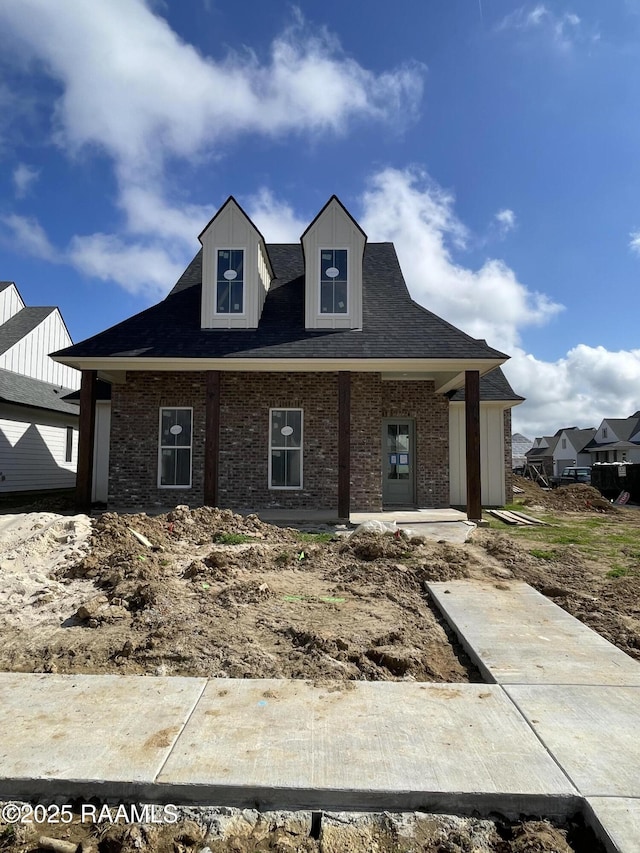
(86, 437)
(472, 430)
(212, 437)
(344, 444)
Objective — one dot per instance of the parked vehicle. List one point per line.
(571, 475)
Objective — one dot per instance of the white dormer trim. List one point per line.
(333, 229)
(231, 228)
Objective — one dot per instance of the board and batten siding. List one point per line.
(33, 447)
(231, 229)
(30, 355)
(333, 229)
(100, 481)
(492, 473)
(10, 303)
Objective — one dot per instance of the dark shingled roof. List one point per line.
(25, 391)
(103, 392)
(494, 387)
(393, 325)
(539, 452)
(5, 284)
(21, 324)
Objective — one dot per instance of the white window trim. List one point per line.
(160, 447)
(301, 448)
(346, 249)
(244, 281)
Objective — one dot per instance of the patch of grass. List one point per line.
(544, 555)
(608, 541)
(314, 537)
(233, 538)
(622, 572)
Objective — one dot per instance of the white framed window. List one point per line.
(605, 432)
(174, 448)
(285, 448)
(230, 281)
(334, 281)
(564, 443)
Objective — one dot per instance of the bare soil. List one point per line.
(248, 831)
(279, 604)
(208, 593)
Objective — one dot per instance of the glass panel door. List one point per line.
(398, 462)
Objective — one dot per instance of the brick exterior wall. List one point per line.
(135, 426)
(508, 460)
(431, 414)
(245, 400)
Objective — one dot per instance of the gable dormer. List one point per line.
(333, 247)
(605, 433)
(236, 270)
(10, 301)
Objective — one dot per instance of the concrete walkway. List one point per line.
(542, 738)
(578, 692)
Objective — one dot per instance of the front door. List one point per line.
(398, 462)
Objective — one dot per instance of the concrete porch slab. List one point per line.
(517, 636)
(592, 732)
(290, 744)
(89, 730)
(411, 516)
(616, 821)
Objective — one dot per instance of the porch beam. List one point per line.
(344, 444)
(472, 432)
(212, 438)
(86, 439)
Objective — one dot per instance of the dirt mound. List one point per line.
(210, 593)
(578, 497)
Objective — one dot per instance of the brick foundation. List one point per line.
(245, 400)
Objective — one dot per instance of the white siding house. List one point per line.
(570, 449)
(616, 440)
(38, 428)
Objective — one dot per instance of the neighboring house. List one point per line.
(616, 440)
(570, 449)
(540, 457)
(520, 444)
(38, 428)
(297, 376)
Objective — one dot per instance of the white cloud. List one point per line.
(564, 30)
(132, 87)
(634, 243)
(24, 176)
(506, 221)
(28, 236)
(135, 267)
(149, 213)
(585, 386)
(275, 219)
(418, 216)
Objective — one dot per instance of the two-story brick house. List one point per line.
(300, 376)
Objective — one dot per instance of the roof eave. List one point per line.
(407, 366)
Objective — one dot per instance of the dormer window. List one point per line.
(230, 281)
(334, 283)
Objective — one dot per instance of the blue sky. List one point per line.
(496, 143)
